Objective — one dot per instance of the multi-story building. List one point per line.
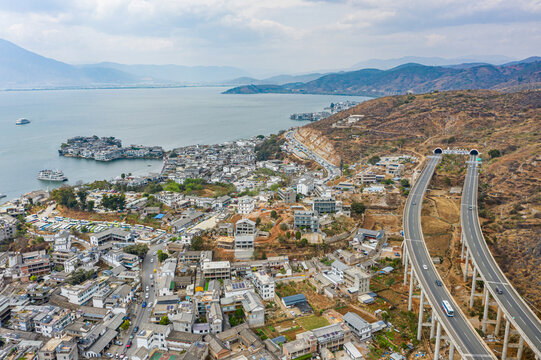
(169, 198)
(324, 205)
(264, 285)
(246, 205)
(359, 327)
(215, 318)
(216, 270)
(367, 177)
(153, 336)
(253, 309)
(245, 227)
(245, 242)
(289, 196)
(332, 337)
(356, 278)
(80, 294)
(8, 227)
(305, 343)
(112, 234)
(35, 263)
(306, 220)
(305, 186)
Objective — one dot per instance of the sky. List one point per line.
(270, 36)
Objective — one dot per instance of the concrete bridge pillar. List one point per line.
(498, 322)
(506, 339)
(466, 265)
(406, 270)
(485, 311)
(473, 283)
(421, 312)
(432, 324)
(451, 350)
(463, 247)
(438, 338)
(520, 348)
(412, 280)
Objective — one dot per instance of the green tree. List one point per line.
(374, 160)
(298, 235)
(136, 249)
(283, 226)
(162, 256)
(82, 194)
(65, 196)
(125, 325)
(164, 320)
(358, 208)
(257, 221)
(405, 183)
(197, 243)
(90, 206)
(33, 278)
(274, 214)
(494, 153)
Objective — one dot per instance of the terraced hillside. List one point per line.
(505, 127)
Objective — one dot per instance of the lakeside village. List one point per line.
(333, 108)
(235, 251)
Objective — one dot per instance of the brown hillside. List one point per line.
(487, 120)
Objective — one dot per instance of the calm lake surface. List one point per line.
(164, 117)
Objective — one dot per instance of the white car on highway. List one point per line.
(425, 267)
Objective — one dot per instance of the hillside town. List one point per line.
(223, 255)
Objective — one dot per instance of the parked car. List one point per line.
(136, 329)
(109, 354)
(128, 345)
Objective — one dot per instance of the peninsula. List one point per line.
(107, 149)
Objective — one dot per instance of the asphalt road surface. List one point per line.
(467, 341)
(522, 317)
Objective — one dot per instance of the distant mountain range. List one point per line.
(23, 69)
(386, 64)
(415, 78)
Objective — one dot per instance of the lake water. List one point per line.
(170, 118)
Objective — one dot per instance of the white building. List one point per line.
(112, 234)
(152, 336)
(216, 270)
(264, 285)
(246, 205)
(253, 309)
(80, 294)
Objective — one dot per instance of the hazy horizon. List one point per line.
(266, 38)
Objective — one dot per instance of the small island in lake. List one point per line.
(107, 149)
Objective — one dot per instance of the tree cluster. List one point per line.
(80, 276)
(114, 202)
(269, 148)
(136, 249)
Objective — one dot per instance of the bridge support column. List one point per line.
(406, 270)
(498, 322)
(463, 247)
(438, 338)
(451, 350)
(421, 313)
(485, 311)
(506, 339)
(432, 324)
(466, 265)
(520, 348)
(412, 280)
(484, 294)
(473, 283)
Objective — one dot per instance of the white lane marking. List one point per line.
(497, 283)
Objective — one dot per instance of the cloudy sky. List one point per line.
(270, 35)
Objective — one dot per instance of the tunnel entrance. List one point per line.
(474, 152)
(438, 151)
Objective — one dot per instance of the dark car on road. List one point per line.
(499, 291)
(438, 282)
